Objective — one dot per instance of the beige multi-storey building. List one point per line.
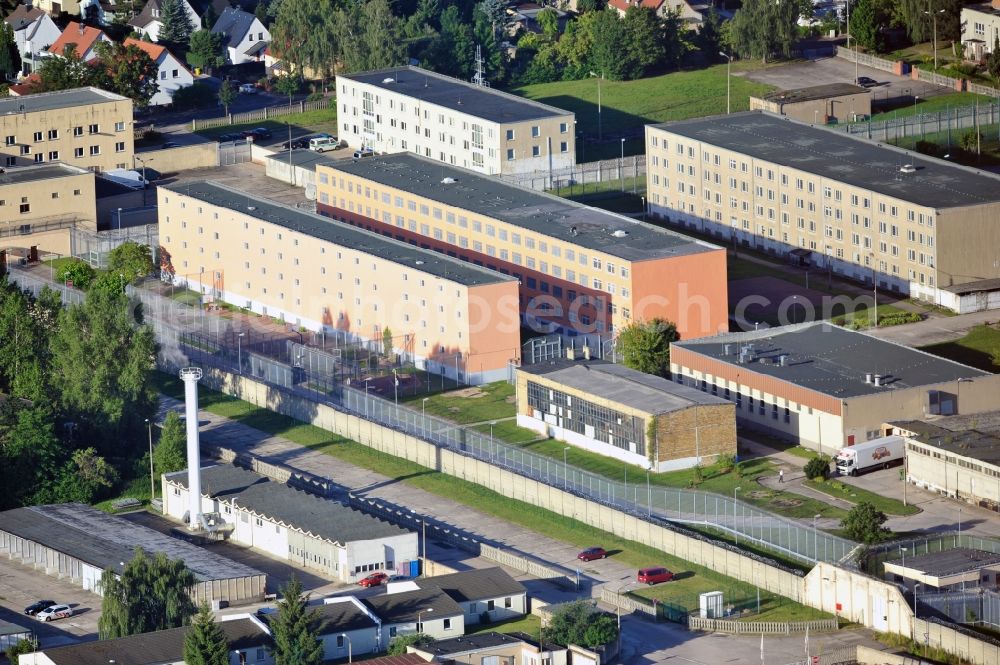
(843, 204)
(980, 29)
(408, 109)
(84, 127)
(450, 317)
(39, 205)
(581, 270)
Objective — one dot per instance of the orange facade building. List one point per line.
(581, 270)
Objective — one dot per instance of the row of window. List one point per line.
(53, 134)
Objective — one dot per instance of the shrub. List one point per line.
(725, 463)
(817, 467)
(314, 97)
(193, 96)
(77, 272)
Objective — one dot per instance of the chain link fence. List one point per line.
(945, 126)
(897, 550)
(623, 174)
(980, 607)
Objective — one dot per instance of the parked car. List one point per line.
(38, 606)
(364, 152)
(248, 89)
(295, 144)
(654, 576)
(55, 612)
(226, 138)
(375, 579)
(592, 553)
(259, 133)
(323, 143)
(866, 82)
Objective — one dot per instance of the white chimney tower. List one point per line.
(190, 376)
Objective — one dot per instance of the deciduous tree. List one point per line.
(170, 453)
(132, 260)
(398, 644)
(580, 623)
(10, 59)
(763, 28)
(206, 50)
(864, 524)
(61, 73)
(205, 643)
(993, 60)
(147, 594)
(295, 639)
(227, 94)
(289, 84)
(126, 70)
(646, 346)
(76, 273)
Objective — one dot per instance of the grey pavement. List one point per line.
(22, 585)
(936, 330)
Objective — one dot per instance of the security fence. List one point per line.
(94, 246)
(976, 607)
(622, 174)
(946, 126)
(904, 548)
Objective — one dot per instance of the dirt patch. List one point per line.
(510, 399)
(786, 503)
(467, 392)
(759, 494)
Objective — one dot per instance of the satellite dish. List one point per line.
(311, 192)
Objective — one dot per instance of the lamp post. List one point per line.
(349, 654)
(395, 386)
(239, 353)
(423, 414)
(621, 167)
(599, 79)
(729, 68)
(565, 468)
(934, 16)
(119, 220)
(152, 484)
(366, 397)
(736, 534)
(420, 623)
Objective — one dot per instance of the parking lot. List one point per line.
(21, 586)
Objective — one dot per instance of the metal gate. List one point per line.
(236, 152)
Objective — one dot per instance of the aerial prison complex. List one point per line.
(294, 525)
(921, 226)
(76, 542)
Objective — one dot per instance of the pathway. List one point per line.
(936, 330)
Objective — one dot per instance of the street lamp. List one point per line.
(934, 16)
(599, 79)
(736, 534)
(621, 167)
(366, 396)
(423, 414)
(119, 220)
(152, 485)
(349, 654)
(239, 352)
(729, 66)
(565, 468)
(815, 548)
(395, 386)
(420, 624)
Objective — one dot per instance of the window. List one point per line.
(447, 624)
(78, 152)
(53, 134)
(37, 137)
(536, 151)
(25, 208)
(510, 134)
(95, 150)
(510, 154)
(535, 132)
(93, 129)
(78, 131)
(120, 146)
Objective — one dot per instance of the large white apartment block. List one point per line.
(408, 109)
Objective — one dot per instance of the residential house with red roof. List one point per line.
(84, 37)
(171, 74)
(690, 11)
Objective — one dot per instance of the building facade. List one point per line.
(483, 592)
(83, 127)
(294, 526)
(171, 73)
(821, 104)
(840, 203)
(827, 387)
(638, 418)
(581, 270)
(34, 32)
(40, 205)
(448, 316)
(408, 109)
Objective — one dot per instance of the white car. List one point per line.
(55, 612)
(248, 89)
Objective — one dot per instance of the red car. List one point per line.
(375, 579)
(654, 575)
(592, 553)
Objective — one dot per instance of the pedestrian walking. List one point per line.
(781, 475)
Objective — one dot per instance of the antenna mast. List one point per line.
(479, 78)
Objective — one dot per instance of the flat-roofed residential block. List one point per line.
(408, 109)
(39, 205)
(827, 387)
(828, 200)
(85, 127)
(581, 270)
(619, 412)
(448, 316)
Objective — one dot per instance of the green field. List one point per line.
(529, 624)
(936, 104)
(692, 579)
(979, 348)
(628, 105)
(491, 401)
(318, 120)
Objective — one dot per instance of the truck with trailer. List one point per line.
(875, 454)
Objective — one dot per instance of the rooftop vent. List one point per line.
(448, 181)
(251, 208)
(388, 80)
(878, 379)
(419, 262)
(869, 377)
(620, 233)
(907, 168)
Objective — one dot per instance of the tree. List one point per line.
(206, 50)
(817, 467)
(30, 453)
(868, 18)
(548, 19)
(918, 18)
(76, 271)
(993, 60)
(864, 524)
(611, 54)
(205, 643)
(170, 453)
(762, 28)
(580, 623)
(10, 59)
(84, 479)
(227, 94)
(495, 13)
(387, 342)
(132, 260)
(288, 84)
(304, 35)
(176, 27)
(646, 346)
(398, 644)
(69, 71)
(127, 70)
(20, 648)
(149, 594)
(709, 38)
(382, 35)
(295, 639)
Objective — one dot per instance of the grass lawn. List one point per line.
(137, 489)
(491, 401)
(186, 297)
(694, 579)
(939, 103)
(529, 624)
(58, 263)
(628, 105)
(318, 120)
(979, 348)
(743, 598)
(841, 490)
(635, 186)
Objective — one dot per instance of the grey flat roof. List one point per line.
(8, 628)
(814, 92)
(978, 286)
(162, 646)
(47, 101)
(548, 215)
(19, 174)
(105, 541)
(301, 157)
(467, 643)
(403, 607)
(834, 154)
(343, 235)
(950, 562)
(456, 95)
(295, 508)
(340, 617)
(617, 383)
(477, 584)
(832, 360)
(976, 436)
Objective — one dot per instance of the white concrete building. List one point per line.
(429, 611)
(980, 29)
(171, 73)
(408, 109)
(34, 32)
(344, 623)
(294, 525)
(245, 36)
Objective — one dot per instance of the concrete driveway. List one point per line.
(838, 70)
(21, 586)
(935, 330)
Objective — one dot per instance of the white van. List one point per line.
(323, 144)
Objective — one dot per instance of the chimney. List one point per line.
(878, 379)
(190, 376)
(869, 377)
(80, 28)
